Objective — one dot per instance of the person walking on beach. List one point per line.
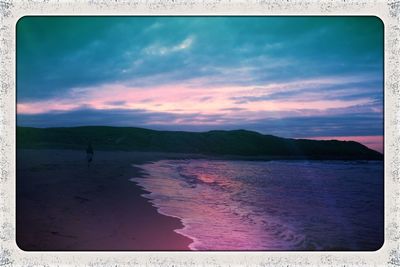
(89, 154)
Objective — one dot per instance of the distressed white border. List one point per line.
(11, 11)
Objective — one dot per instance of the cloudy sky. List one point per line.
(300, 77)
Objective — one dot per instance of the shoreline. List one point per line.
(64, 205)
(158, 208)
(179, 231)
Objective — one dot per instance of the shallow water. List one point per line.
(271, 205)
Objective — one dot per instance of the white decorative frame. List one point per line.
(387, 11)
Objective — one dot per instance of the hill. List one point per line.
(236, 142)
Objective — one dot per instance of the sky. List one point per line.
(297, 77)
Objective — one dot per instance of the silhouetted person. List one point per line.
(89, 154)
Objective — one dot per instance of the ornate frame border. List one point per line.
(387, 11)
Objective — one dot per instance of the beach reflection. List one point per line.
(238, 205)
(203, 196)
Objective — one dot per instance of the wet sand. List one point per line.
(62, 204)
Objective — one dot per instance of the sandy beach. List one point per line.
(62, 204)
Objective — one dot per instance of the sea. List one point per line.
(293, 205)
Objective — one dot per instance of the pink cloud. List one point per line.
(186, 99)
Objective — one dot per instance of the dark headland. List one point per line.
(239, 143)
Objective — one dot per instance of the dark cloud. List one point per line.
(232, 109)
(339, 125)
(116, 103)
(372, 89)
(205, 98)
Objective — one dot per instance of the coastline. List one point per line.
(64, 205)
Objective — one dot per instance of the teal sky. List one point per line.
(289, 76)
